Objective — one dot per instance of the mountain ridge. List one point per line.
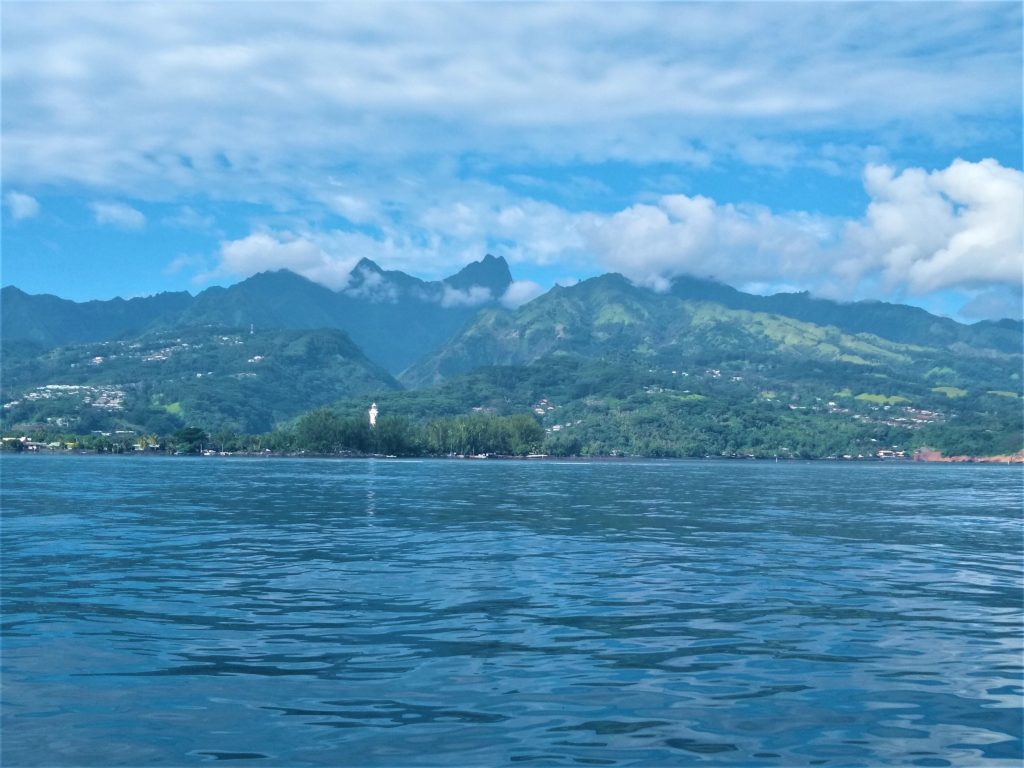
(398, 319)
(47, 319)
(392, 315)
(595, 318)
(898, 322)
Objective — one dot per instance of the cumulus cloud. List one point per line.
(958, 228)
(520, 292)
(329, 256)
(652, 243)
(118, 215)
(372, 285)
(474, 296)
(962, 225)
(520, 229)
(263, 251)
(21, 206)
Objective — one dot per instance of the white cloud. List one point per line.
(355, 209)
(958, 226)
(474, 296)
(373, 286)
(520, 292)
(922, 232)
(207, 96)
(491, 220)
(263, 251)
(329, 256)
(21, 206)
(694, 235)
(118, 215)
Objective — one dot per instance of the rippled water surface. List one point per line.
(304, 612)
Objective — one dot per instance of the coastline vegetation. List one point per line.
(321, 432)
(661, 429)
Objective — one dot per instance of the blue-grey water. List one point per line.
(389, 613)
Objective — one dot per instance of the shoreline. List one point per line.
(922, 457)
(930, 456)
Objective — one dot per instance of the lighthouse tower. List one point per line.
(373, 415)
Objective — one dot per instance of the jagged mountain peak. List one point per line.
(490, 272)
(368, 277)
(365, 264)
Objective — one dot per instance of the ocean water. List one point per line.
(161, 611)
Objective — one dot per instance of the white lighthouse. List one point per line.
(373, 415)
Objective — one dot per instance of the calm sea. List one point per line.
(388, 613)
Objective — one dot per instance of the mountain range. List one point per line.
(391, 315)
(611, 352)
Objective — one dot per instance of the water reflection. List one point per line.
(371, 487)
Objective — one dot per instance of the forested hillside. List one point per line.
(162, 381)
(601, 368)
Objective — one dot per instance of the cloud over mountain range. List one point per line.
(858, 151)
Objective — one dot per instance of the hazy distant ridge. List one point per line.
(394, 317)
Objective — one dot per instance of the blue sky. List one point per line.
(855, 150)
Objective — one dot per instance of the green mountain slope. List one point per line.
(633, 371)
(896, 322)
(608, 317)
(211, 377)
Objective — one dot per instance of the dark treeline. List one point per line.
(325, 432)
